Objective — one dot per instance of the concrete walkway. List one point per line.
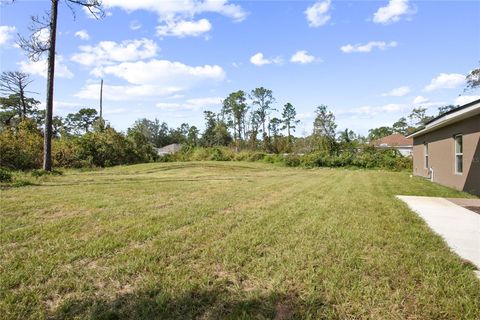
(458, 226)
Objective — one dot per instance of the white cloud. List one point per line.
(61, 105)
(173, 11)
(93, 13)
(108, 52)
(135, 25)
(191, 104)
(206, 101)
(164, 72)
(398, 92)
(184, 28)
(461, 100)
(43, 35)
(302, 57)
(127, 92)
(368, 47)
(40, 68)
(259, 60)
(82, 34)
(6, 33)
(369, 111)
(393, 107)
(420, 100)
(177, 17)
(445, 81)
(393, 12)
(317, 14)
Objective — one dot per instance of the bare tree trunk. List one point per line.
(101, 100)
(24, 106)
(47, 146)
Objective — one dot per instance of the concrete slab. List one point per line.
(458, 226)
(465, 202)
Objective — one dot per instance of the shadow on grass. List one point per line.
(195, 304)
(17, 184)
(137, 180)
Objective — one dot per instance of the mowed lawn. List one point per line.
(218, 240)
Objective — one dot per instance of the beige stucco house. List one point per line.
(447, 150)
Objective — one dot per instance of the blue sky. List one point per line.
(369, 61)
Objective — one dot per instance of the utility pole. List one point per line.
(101, 99)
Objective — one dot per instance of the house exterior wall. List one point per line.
(441, 155)
(405, 151)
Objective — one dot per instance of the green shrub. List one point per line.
(40, 173)
(217, 155)
(256, 156)
(241, 155)
(5, 175)
(21, 147)
(66, 153)
(292, 160)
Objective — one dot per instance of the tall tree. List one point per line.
(419, 117)
(254, 128)
(473, 79)
(235, 108)
(275, 126)
(192, 136)
(380, 132)
(82, 121)
(263, 99)
(324, 123)
(208, 137)
(59, 125)
(445, 109)
(13, 106)
(16, 83)
(346, 136)
(144, 127)
(36, 47)
(401, 126)
(288, 119)
(180, 134)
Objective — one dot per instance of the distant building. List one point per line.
(170, 149)
(447, 149)
(395, 141)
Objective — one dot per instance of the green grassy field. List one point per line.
(227, 240)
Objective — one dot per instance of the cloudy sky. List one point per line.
(369, 61)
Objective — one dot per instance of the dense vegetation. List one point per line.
(240, 131)
(368, 157)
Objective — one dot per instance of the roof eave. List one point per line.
(462, 113)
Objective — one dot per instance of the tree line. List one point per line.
(35, 47)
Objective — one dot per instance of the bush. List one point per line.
(274, 158)
(22, 147)
(368, 158)
(66, 153)
(40, 173)
(5, 175)
(110, 148)
(256, 156)
(292, 160)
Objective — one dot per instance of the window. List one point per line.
(425, 146)
(459, 154)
